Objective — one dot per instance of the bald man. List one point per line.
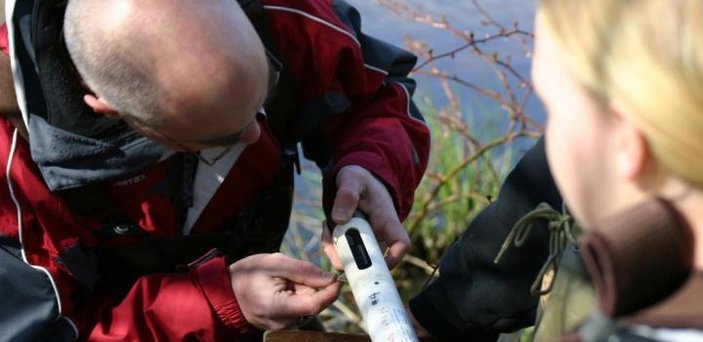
(152, 186)
(175, 103)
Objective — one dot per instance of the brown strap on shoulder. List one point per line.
(8, 100)
(638, 257)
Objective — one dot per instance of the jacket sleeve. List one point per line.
(48, 273)
(475, 299)
(31, 308)
(197, 305)
(356, 106)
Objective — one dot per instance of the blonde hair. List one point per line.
(648, 56)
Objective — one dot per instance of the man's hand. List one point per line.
(358, 188)
(274, 290)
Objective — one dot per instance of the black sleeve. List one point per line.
(474, 299)
(28, 310)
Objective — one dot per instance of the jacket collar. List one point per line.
(71, 145)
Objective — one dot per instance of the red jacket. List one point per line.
(379, 130)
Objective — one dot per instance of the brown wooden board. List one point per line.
(312, 336)
(315, 336)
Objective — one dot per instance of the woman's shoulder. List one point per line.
(678, 317)
(683, 309)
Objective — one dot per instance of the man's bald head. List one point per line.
(186, 67)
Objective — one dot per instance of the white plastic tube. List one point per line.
(371, 283)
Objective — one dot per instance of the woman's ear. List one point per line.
(633, 153)
(99, 106)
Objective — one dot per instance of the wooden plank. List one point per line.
(316, 336)
(312, 336)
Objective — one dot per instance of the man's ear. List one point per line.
(633, 151)
(100, 106)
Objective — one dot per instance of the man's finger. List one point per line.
(345, 202)
(396, 253)
(329, 248)
(302, 272)
(398, 241)
(305, 303)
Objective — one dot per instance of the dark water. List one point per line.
(462, 14)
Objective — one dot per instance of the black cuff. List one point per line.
(437, 324)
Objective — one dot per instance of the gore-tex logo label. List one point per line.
(131, 181)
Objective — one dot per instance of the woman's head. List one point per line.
(623, 84)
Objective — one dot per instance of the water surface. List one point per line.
(462, 14)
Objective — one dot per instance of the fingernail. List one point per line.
(341, 214)
(328, 275)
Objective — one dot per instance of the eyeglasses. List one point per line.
(225, 143)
